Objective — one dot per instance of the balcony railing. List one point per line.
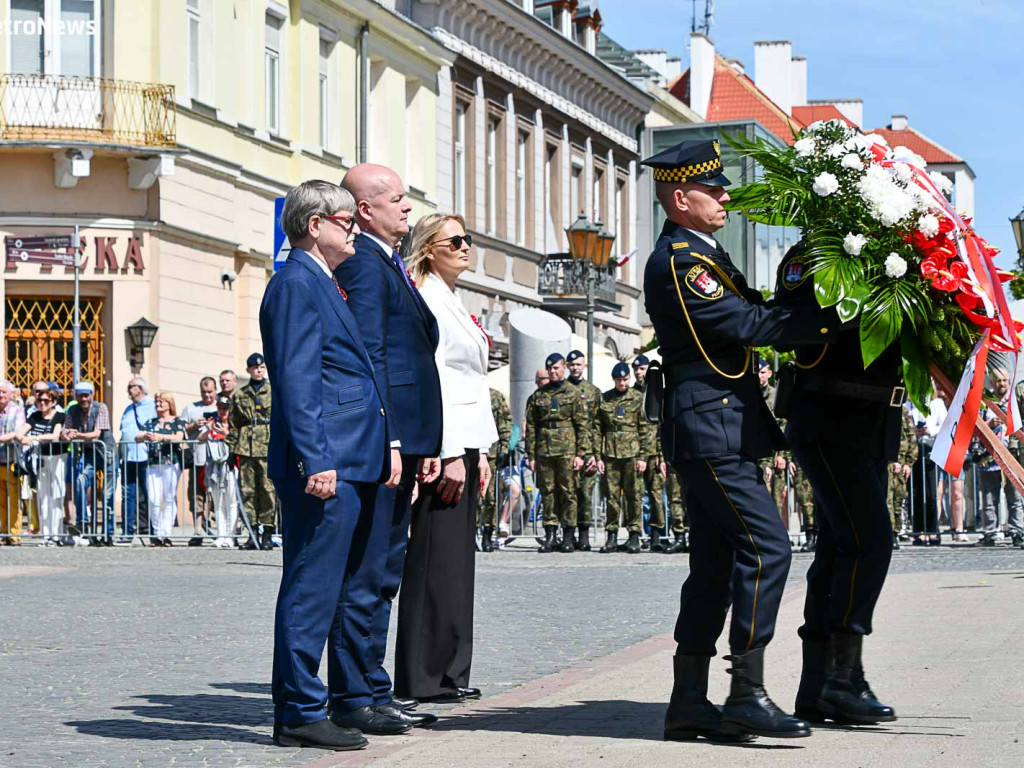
(86, 109)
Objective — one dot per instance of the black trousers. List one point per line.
(739, 555)
(924, 506)
(434, 647)
(854, 547)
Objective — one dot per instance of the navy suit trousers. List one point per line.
(739, 554)
(370, 588)
(851, 558)
(320, 538)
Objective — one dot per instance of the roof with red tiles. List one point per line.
(735, 97)
(814, 112)
(919, 143)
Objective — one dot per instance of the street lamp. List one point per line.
(1017, 222)
(592, 245)
(141, 333)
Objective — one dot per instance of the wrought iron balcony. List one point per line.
(43, 108)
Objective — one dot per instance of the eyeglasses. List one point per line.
(455, 241)
(44, 399)
(345, 222)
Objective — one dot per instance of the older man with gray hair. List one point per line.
(134, 458)
(12, 416)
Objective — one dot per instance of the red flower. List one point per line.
(944, 278)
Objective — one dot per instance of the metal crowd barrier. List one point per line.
(94, 492)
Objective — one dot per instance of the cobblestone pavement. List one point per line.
(121, 657)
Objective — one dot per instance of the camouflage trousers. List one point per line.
(486, 511)
(802, 492)
(676, 493)
(585, 485)
(621, 486)
(556, 481)
(897, 495)
(257, 491)
(655, 483)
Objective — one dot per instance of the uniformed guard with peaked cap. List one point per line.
(715, 426)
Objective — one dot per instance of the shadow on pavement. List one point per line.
(609, 719)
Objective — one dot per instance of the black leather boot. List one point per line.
(690, 714)
(812, 680)
(678, 545)
(568, 534)
(549, 539)
(656, 545)
(749, 709)
(633, 543)
(611, 542)
(583, 542)
(812, 541)
(266, 542)
(846, 695)
(486, 543)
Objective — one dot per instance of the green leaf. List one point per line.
(827, 287)
(878, 330)
(916, 377)
(852, 302)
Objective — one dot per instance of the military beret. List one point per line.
(762, 361)
(620, 370)
(574, 355)
(641, 360)
(553, 358)
(223, 401)
(254, 359)
(690, 161)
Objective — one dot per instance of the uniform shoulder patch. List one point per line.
(701, 282)
(677, 246)
(794, 272)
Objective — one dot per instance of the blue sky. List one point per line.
(954, 68)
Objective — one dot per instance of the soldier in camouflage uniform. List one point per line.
(622, 443)
(677, 509)
(249, 439)
(764, 375)
(557, 439)
(900, 474)
(654, 475)
(587, 480)
(497, 458)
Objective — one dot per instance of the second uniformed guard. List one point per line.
(622, 438)
(846, 458)
(715, 427)
(497, 457)
(676, 493)
(249, 439)
(586, 482)
(656, 472)
(557, 438)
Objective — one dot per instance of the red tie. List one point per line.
(340, 289)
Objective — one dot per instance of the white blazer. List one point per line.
(461, 359)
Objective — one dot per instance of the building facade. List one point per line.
(163, 130)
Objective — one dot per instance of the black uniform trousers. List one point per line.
(854, 545)
(434, 646)
(739, 554)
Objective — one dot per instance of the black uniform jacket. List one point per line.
(824, 407)
(703, 310)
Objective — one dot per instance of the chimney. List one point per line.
(673, 67)
(852, 109)
(773, 64)
(899, 123)
(737, 65)
(798, 67)
(702, 72)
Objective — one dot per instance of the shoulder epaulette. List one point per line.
(677, 246)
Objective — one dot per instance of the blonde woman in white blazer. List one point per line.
(434, 649)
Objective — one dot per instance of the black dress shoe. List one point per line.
(371, 720)
(690, 715)
(749, 709)
(416, 719)
(846, 695)
(470, 693)
(405, 704)
(448, 697)
(322, 734)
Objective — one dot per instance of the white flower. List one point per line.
(825, 184)
(804, 147)
(941, 181)
(895, 265)
(854, 244)
(887, 200)
(853, 162)
(903, 172)
(928, 225)
(814, 127)
(858, 143)
(836, 150)
(908, 155)
(876, 138)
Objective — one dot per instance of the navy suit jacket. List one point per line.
(327, 405)
(400, 334)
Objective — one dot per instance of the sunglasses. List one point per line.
(44, 399)
(455, 242)
(345, 222)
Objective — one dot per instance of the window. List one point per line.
(552, 196)
(576, 189)
(522, 163)
(461, 175)
(325, 91)
(272, 71)
(598, 193)
(192, 43)
(493, 127)
(622, 216)
(55, 37)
